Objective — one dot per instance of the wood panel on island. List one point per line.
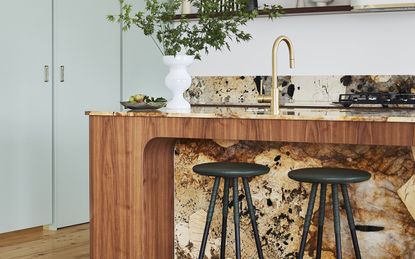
(132, 166)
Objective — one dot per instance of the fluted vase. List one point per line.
(178, 81)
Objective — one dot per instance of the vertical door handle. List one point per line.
(62, 74)
(46, 73)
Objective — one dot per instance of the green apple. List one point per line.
(139, 98)
(131, 100)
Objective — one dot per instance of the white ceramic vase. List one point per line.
(178, 81)
(321, 3)
(186, 7)
(300, 3)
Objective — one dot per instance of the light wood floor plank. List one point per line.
(67, 243)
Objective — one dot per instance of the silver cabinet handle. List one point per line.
(46, 73)
(62, 74)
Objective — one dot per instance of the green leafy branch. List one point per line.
(212, 30)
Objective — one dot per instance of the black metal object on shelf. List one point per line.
(376, 98)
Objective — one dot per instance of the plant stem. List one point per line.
(158, 46)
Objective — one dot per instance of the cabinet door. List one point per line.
(25, 114)
(87, 77)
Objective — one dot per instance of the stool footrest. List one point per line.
(336, 220)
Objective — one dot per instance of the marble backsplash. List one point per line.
(281, 203)
(320, 90)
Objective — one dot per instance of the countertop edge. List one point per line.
(252, 116)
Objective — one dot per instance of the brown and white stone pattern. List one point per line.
(338, 114)
(321, 90)
(281, 203)
(407, 192)
(220, 89)
(379, 83)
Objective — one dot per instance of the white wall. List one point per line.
(338, 44)
(373, 43)
(143, 68)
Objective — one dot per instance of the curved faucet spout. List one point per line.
(275, 102)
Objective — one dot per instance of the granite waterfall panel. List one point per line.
(281, 203)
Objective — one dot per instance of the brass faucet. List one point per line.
(274, 98)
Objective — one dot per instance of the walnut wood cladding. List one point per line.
(131, 170)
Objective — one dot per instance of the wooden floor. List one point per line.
(67, 243)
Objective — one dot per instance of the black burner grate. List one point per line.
(376, 98)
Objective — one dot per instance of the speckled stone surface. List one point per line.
(389, 115)
(281, 229)
(219, 89)
(379, 83)
(321, 90)
(281, 203)
(407, 192)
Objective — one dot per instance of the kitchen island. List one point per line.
(132, 162)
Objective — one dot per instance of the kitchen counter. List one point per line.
(132, 165)
(376, 115)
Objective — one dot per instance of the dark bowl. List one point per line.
(144, 105)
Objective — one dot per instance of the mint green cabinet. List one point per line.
(58, 59)
(25, 114)
(87, 77)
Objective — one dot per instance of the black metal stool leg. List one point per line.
(307, 221)
(236, 218)
(209, 217)
(350, 219)
(224, 218)
(336, 220)
(253, 219)
(323, 190)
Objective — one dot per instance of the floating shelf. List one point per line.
(313, 10)
(295, 11)
(333, 9)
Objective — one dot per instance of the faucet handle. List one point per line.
(261, 97)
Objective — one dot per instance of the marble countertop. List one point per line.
(379, 115)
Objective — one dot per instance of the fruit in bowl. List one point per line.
(144, 102)
(138, 98)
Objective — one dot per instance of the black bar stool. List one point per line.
(230, 172)
(335, 177)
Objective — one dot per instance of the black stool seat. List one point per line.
(230, 172)
(230, 169)
(329, 175)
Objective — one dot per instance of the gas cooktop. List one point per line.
(384, 99)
